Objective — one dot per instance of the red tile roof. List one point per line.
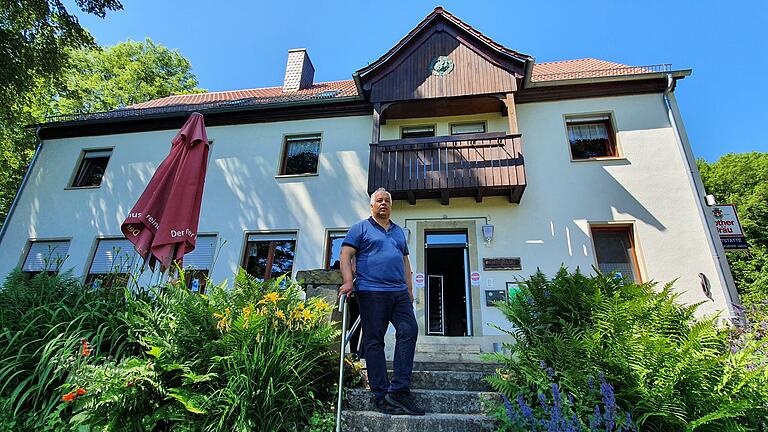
(329, 90)
(587, 68)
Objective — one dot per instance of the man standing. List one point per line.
(385, 294)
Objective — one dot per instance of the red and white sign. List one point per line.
(474, 277)
(726, 221)
(418, 280)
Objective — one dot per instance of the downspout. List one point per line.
(24, 180)
(713, 240)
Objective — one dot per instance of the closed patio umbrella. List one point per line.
(163, 223)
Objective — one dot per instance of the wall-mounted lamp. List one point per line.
(407, 232)
(488, 233)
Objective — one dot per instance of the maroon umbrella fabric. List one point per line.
(163, 223)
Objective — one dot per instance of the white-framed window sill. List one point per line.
(293, 176)
(81, 187)
(602, 159)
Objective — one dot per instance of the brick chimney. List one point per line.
(299, 71)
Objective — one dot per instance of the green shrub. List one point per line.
(253, 358)
(43, 320)
(669, 369)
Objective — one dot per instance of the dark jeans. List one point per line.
(377, 310)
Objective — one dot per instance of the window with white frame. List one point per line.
(45, 256)
(197, 264)
(113, 263)
(615, 251)
(417, 131)
(269, 256)
(591, 137)
(467, 128)
(93, 165)
(333, 248)
(301, 154)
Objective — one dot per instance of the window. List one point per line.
(300, 155)
(269, 255)
(197, 263)
(113, 262)
(467, 128)
(615, 251)
(93, 164)
(417, 131)
(335, 239)
(591, 137)
(45, 256)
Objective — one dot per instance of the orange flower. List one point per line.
(69, 397)
(81, 391)
(86, 348)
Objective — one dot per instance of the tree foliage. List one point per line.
(35, 36)
(742, 179)
(92, 79)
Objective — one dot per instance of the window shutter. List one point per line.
(45, 256)
(114, 256)
(202, 257)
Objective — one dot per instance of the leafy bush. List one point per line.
(670, 370)
(43, 321)
(253, 358)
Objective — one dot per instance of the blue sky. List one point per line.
(243, 44)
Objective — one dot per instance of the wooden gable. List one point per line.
(476, 66)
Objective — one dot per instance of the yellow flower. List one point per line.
(246, 314)
(224, 319)
(306, 315)
(272, 297)
(280, 315)
(322, 305)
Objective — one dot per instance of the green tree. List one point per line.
(94, 79)
(742, 179)
(35, 36)
(127, 73)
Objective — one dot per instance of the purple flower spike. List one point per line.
(542, 364)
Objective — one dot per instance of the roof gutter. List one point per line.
(707, 218)
(24, 180)
(680, 74)
(185, 111)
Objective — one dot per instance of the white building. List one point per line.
(579, 163)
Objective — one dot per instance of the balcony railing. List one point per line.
(476, 165)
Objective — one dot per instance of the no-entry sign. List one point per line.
(418, 280)
(475, 278)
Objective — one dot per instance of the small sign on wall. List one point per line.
(474, 279)
(418, 280)
(502, 263)
(728, 226)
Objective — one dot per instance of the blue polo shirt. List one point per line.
(379, 256)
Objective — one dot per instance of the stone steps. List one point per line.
(370, 421)
(447, 380)
(454, 395)
(433, 401)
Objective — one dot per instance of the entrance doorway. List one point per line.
(448, 301)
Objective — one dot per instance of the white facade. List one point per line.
(650, 188)
(647, 187)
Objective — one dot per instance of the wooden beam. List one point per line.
(411, 197)
(479, 196)
(376, 133)
(445, 199)
(509, 101)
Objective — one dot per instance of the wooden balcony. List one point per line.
(477, 165)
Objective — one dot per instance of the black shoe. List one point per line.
(385, 407)
(405, 401)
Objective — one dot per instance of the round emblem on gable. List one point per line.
(441, 66)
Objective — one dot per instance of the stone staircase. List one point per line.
(454, 396)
